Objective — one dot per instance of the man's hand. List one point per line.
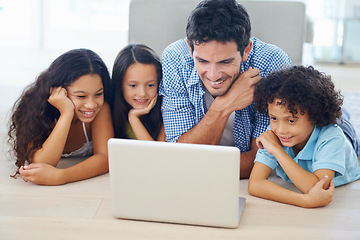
(240, 95)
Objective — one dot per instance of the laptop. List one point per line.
(175, 182)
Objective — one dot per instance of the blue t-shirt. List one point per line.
(183, 94)
(327, 148)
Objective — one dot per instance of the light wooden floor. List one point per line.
(82, 210)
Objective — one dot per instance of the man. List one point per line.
(208, 80)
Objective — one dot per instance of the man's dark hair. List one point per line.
(219, 20)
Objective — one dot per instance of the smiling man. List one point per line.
(208, 80)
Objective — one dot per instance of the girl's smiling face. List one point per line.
(292, 131)
(140, 85)
(87, 95)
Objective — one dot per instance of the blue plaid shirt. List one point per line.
(183, 102)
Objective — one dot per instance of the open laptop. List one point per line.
(175, 182)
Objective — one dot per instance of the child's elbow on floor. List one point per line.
(252, 188)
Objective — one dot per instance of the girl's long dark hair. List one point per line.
(134, 53)
(33, 118)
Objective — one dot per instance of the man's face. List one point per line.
(218, 65)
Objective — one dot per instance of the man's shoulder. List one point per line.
(263, 47)
(178, 65)
(266, 57)
(178, 49)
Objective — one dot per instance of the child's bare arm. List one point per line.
(161, 136)
(102, 131)
(301, 178)
(137, 126)
(52, 148)
(139, 129)
(260, 186)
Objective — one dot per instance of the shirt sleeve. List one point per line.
(276, 60)
(331, 154)
(262, 121)
(267, 58)
(177, 110)
(266, 158)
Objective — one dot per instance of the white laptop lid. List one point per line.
(174, 182)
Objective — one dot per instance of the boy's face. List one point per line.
(292, 131)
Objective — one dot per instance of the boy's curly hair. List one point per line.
(303, 88)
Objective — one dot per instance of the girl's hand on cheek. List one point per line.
(139, 112)
(269, 141)
(42, 174)
(59, 99)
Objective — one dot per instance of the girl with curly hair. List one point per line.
(136, 107)
(64, 113)
(304, 145)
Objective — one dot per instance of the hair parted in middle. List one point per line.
(134, 53)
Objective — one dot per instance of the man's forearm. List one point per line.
(246, 164)
(247, 160)
(209, 130)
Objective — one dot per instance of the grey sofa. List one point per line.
(158, 23)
